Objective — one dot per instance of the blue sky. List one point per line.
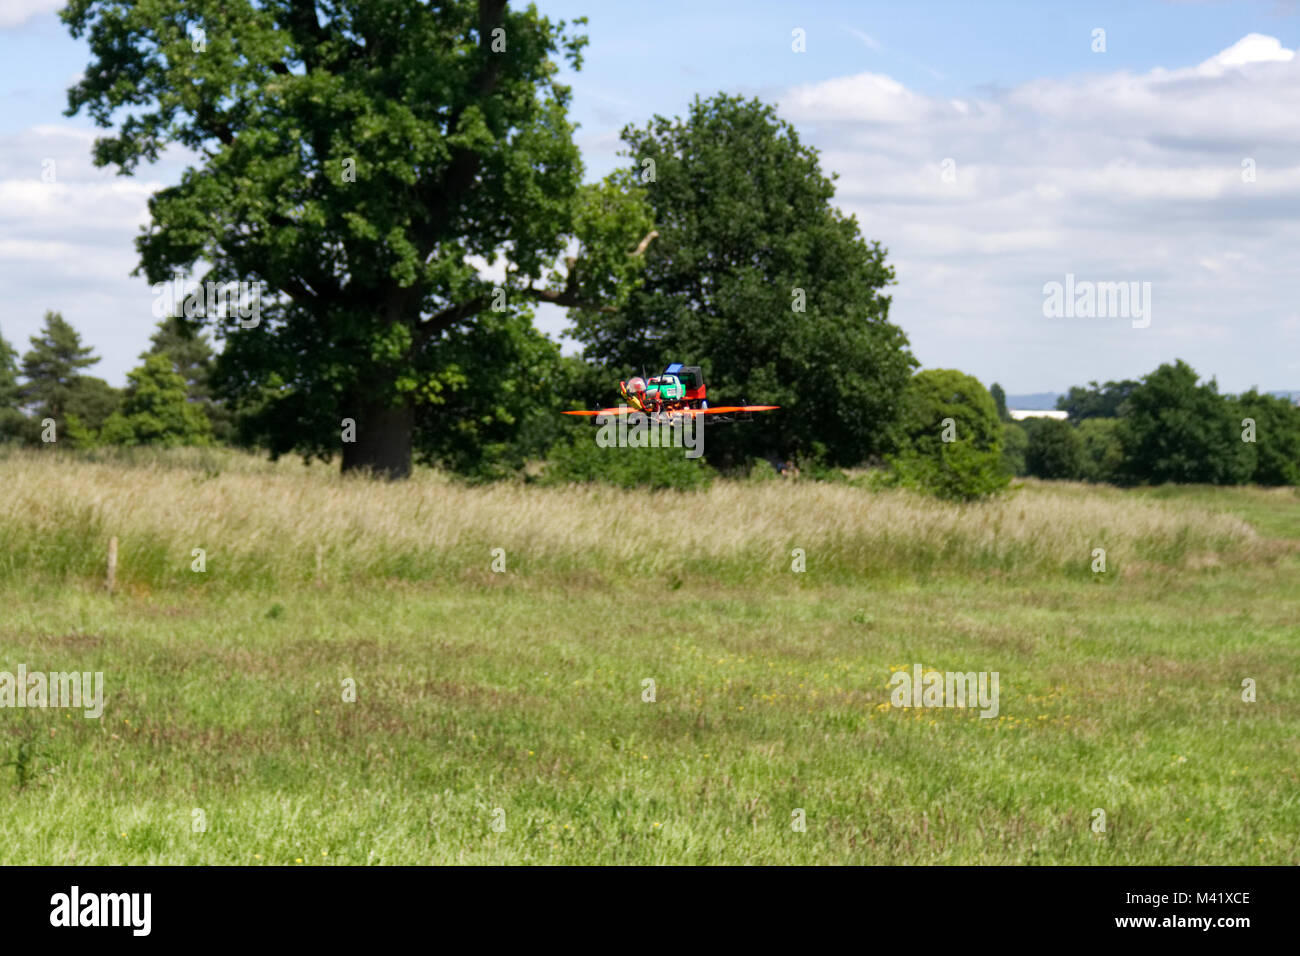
(1122, 165)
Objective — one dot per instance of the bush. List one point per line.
(960, 472)
(1103, 455)
(817, 466)
(578, 459)
(1055, 450)
(156, 410)
(951, 441)
(1277, 437)
(1014, 445)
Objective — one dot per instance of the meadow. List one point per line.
(499, 640)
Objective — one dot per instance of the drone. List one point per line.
(679, 392)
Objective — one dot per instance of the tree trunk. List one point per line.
(383, 441)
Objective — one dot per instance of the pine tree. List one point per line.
(11, 416)
(189, 351)
(1000, 400)
(52, 367)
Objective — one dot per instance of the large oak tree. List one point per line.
(364, 159)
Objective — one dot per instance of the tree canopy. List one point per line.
(156, 409)
(1277, 436)
(365, 162)
(1096, 401)
(761, 281)
(950, 437)
(1176, 430)
(11, 416)
(1000, 401)
(1055, 450)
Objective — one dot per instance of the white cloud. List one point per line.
(14, 13)
(864, 98)
(1252, 48)
(67, 231)
(1118, 176)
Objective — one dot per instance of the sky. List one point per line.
(992, 148)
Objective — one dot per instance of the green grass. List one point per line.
(1272, 511)
(523, 691)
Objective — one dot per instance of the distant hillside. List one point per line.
(1038, 401)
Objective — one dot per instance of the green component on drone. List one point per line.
(668, 387)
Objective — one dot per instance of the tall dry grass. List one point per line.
(262, 523)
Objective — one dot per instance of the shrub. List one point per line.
(1055, 450)
(951, 441)
(578, 459)
(1014, 445)
(156, 410)
(959, 472)
(1277, 437)
(1103, 455)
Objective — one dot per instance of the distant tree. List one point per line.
(55, 387)
(156, 410)
(1277, 436)
(1000, 401)
(188, 349)
(1103, 455)
(11, 416)
(1175, 430)
(1015, 442)
(53, 366)
(759, 279)
(1055, 451)
(90, 403)
(951, 439)
(1096, 401)
(192, 357)
(8, 374)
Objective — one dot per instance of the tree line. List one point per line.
(948, 435)
(47, 397)
(1167, 427)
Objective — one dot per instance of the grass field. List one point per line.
(521, 691)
